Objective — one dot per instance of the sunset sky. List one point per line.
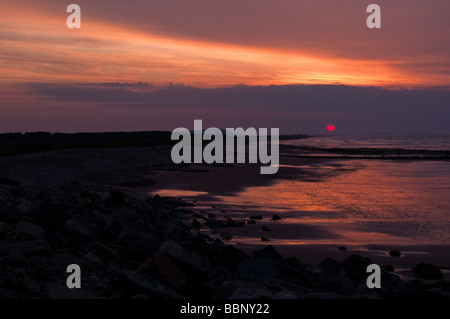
(146, 65)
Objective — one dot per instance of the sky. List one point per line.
(157, 65)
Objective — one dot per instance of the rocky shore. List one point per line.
(134, 247)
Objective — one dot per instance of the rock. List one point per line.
(102, 253)
(119, 198)
(148, 285)
(395, 253)
(428, 271)
(231, 223)
(168, 270)
(276, 217)
(343, 248)
(184, 256)
(226, 236)
(8, 182)
(250, 222)
(196, 223)
(357, 262)
(267, 252)
(55, 291)
(199, 216)
(19, 191)
(79, 225)
(264, 228)
(416, 284)
(265, 239)
(256, 217)
(7, 294)
(30, 230)
(256, 268)
(259, 292)
(26, 248)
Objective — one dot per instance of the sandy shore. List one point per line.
(146, 171)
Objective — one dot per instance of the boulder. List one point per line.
(139, 282)
(26, 248)
(428, 271)
(256, 268)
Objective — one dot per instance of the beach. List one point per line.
(312, 229)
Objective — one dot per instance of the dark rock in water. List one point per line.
(428, 271)
(26, 248)
(148, 285)
(388, 268)
(256, 217)
(395, 253)
(226, 236)
(276, 217)
(250, 222)
(8, 182)
(79, 225)
(156, 197)
(119, 198)
(265, 239)
(357, 262)
(196, 223)
(267, 252)
(342, 248)
(256, 268)
(231, 223)
(264, 228)
(199, 216)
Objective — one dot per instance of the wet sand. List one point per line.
(312, 228)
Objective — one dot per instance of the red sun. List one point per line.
(331, 127)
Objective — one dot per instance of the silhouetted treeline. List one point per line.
(16, 143)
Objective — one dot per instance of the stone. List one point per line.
(184, 256)
(102, 252)
(55, 291)
(256, 268)
(428, 271)
(119, 198)
(264, 228)
(226, 236)
(395, 253)
(265, 239)
(26, 248)
(356, 262)
(30, 230)
(267, 252)
(343, 248)
(168, 270)
(276, 217)
(148, 285)
(79, 225)
(196, 223)
(8, 182)
(256, 217)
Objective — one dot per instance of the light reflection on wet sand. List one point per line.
(357, 204)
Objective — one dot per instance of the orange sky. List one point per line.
(36, 46)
